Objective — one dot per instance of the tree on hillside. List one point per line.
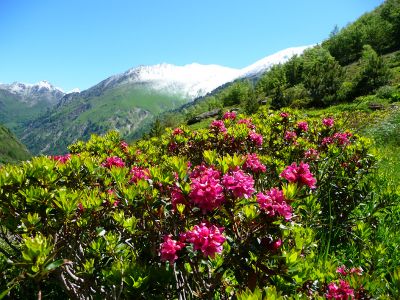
(390, 11)
(237, 93)
(272, 84)
(373, 74)
(156, 129)
(294, 70)
(322, 76)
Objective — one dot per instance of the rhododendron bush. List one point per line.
(207, 213)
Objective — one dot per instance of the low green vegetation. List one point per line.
(11, 150)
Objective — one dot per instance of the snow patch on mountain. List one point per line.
(34, 93)
(267, 62)
(195, 80)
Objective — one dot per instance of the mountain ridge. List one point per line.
(125, 101)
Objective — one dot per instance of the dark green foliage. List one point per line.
(294, 70)
(238, 93)
(156, 129)
(379, 28)
(322, 76)
(272, 84)
(373, 74)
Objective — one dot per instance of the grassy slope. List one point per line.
(125, 108)
(13, 112)
(11, 150)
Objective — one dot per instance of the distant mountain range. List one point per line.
(47, 119)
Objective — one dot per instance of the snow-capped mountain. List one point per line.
(266, 63)
(126, 102)
(192, 80)
(34, 93)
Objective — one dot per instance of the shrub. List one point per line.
(208, 213)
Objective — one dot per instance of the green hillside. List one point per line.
(14, 112)
(11, 150)
(367, 71)
(125, 108)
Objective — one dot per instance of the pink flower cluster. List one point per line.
(328, 122)
(300, 174)
(61, 158)
(139, 173)
(177, 131)
(303, 126)
(340, 292)
(341, 138)
(207, 239)
(229, 115)
(124, 145)
(241, 184)
(169, 249)
(345, 271)
(248, 122)
(206, 189)
(284, 115)
(290, 135)
(256, 138)
(253, 163)
(113, 161)
(218, 126)
(311, 154)
(274, 203)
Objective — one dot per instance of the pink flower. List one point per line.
(256, 138)
(341, 292)
(124, 145)
(207, 239)
(172, 146)
(358, 271)
(218, 126)
(327, 141)
(80, 207)
(177, 131)
(177, 197)
(139, 173)
(277, 244)
(284, 115)
(239, 183)
(342, 270)
(113, 161)
(274, 203)
(342, 138)
(290, 135)
(61, 158)
(206, 189)
(311, 154)
(328, 122)
(253, 163)
(229, 115)
(169, 249)
(303, 126)
(300, 174)
(248, 122)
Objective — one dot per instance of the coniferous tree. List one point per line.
(322, 76)
(374, 72)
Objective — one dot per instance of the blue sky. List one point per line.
(77, 43)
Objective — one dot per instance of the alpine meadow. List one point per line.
(280, 180)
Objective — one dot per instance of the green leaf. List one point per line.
(56, 264)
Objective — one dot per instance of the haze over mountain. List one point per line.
(48, 119)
